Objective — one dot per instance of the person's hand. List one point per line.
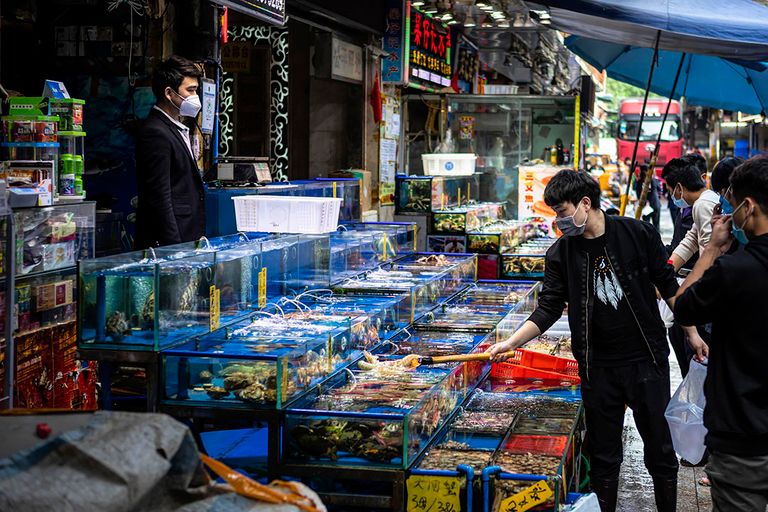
(721, 238)
(498, 350)
(699, 347)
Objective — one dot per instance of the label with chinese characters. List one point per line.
(534, 495)
(215, 310)
(263, 287)
(433, 493)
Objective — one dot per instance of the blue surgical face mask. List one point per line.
(738, 232)
(725, 206)
(680, 203)
(568, 226)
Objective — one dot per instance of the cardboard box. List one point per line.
(366, 185)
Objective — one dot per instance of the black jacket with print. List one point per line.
(639, 260)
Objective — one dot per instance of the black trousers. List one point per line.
(644, 387)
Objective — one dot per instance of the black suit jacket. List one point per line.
(171, 207)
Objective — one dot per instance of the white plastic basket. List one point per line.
(449, 164)
(287, 214)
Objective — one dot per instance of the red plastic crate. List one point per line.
(508, 370)
(536, 444)
(541, 361)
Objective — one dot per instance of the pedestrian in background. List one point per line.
(729, 291)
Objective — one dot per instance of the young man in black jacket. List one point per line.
(607, 270)
(730, 291)
(171, 207)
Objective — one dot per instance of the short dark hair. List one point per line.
(750, 179)
(721, 174)
(571, 186)
(684, 172)
(696, 159)
(171, 72)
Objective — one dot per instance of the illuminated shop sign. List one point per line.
(429, 54)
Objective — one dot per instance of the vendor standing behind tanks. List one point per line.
(171, 195)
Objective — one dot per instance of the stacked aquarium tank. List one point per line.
(136, 301)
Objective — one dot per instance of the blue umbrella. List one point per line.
(704, 80)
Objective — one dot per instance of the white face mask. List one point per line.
(190, 105)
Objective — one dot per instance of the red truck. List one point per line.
(629, 120)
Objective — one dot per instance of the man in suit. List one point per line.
(171, 199)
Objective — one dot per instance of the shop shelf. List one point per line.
(29, 144)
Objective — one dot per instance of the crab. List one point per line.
(117, 326)
(217, 392)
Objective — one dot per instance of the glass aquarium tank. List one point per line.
(134, 301)
(400, 237)
(467, 218)
(378, 415)
(527, 260)
(388, 313)
(425, 194)
(257, 372)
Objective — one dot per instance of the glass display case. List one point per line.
(400, 237)
(505, 131)
(134, 302)
(375, 418)
(467, 218)
(425, 194)
(498, 237)
(527, 260)
(354, 252)
(349, 190)
(389, 314)
(252, 372)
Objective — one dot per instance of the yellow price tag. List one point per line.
(526, 499)
(433, 493)
(263, 287)
(214, 313)
(334, 189)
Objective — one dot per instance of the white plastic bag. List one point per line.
(685, 415)
(667, 316)
(587, 503)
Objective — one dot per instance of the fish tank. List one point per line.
(500, 293)
(527, 260)
(497, 238)
(352, 253)
(425, 194)
(136, 301)
(400, 237)
(389, 314)
(466, 218)
(257, 372)
(375, 417)
(349, 190)
(416, 340)
(463, 318)
(461, 267)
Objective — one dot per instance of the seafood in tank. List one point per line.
(144, 303)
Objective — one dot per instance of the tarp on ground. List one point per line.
(725, 28)
(119, 462)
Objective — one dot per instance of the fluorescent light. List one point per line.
(504, 24)
(497, 14)
(417, 3)
(469, 23)
(487, 8)
(452, 22)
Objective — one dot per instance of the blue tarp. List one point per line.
(725, 28)
(704, 80)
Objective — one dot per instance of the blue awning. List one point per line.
(736, 29)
